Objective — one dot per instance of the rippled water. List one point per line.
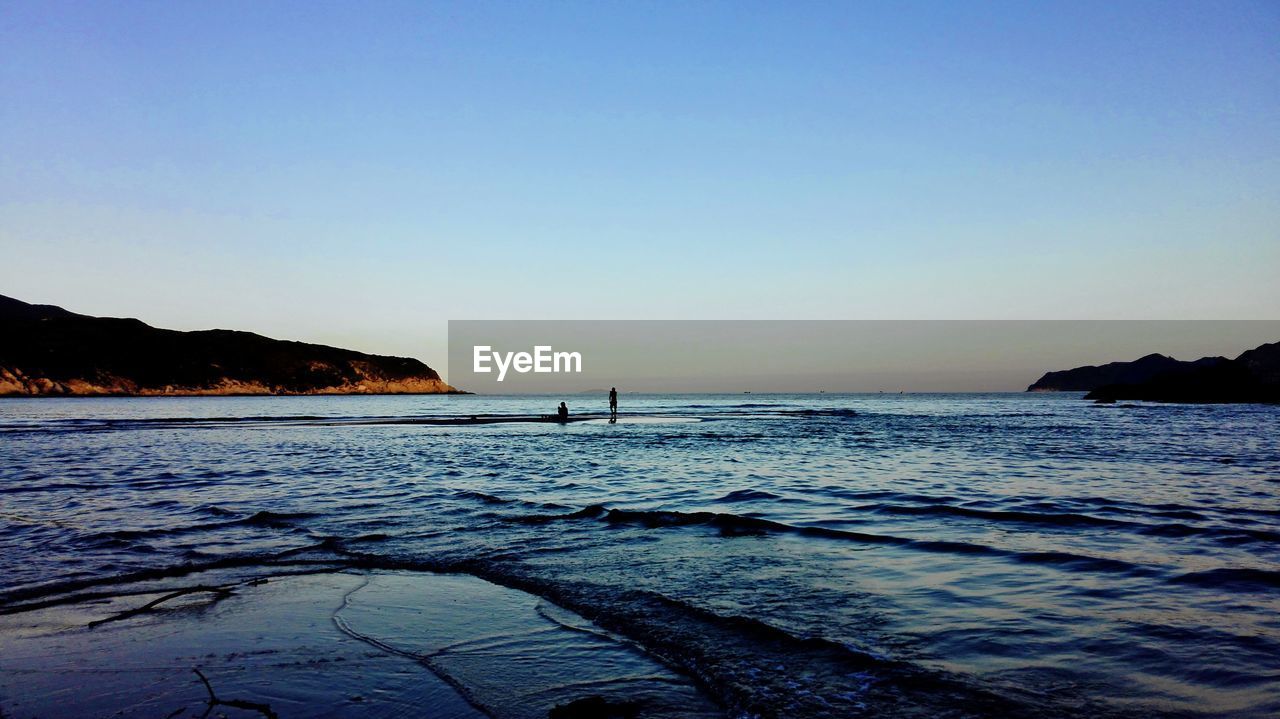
(804, 555)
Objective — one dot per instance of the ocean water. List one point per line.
(798, 555)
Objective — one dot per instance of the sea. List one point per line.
(814, 555)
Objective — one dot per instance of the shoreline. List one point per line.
(188, 395)
(279, 643)
(333, 639)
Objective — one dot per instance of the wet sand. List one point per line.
(328, 644)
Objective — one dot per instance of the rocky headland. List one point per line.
(49, 351)
(1254, 376)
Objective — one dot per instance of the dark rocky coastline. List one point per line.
(49, 351)
(1144, 369)
(1254, 376)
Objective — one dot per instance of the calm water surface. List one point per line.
(1068, 556)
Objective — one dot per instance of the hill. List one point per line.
(1254, 376)
(1091, 377)
(49, 351)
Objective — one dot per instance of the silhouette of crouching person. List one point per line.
(562, 414)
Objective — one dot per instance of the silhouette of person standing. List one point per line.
(562, 414)
(613, 403)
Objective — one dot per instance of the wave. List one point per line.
(493, 499)
(862, 495)
(1050, 513)
(839, 412)
(276, 519)
(1233, 578)
(56, 426)
(272, 520)
(1066, 519)
(1165, 509)
(758, 669)
(735, 525)
(747, 495)
(54, 487)
(1224, 535)
(482, 496)
(590, 511)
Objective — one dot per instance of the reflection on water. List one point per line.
(1041, 544)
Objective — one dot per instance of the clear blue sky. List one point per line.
(357, 173)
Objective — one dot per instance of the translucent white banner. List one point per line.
(521, 357)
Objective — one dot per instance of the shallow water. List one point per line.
(1033, 552)
(312, 643)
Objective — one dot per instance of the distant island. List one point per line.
(1254, 376)
(48, 351)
